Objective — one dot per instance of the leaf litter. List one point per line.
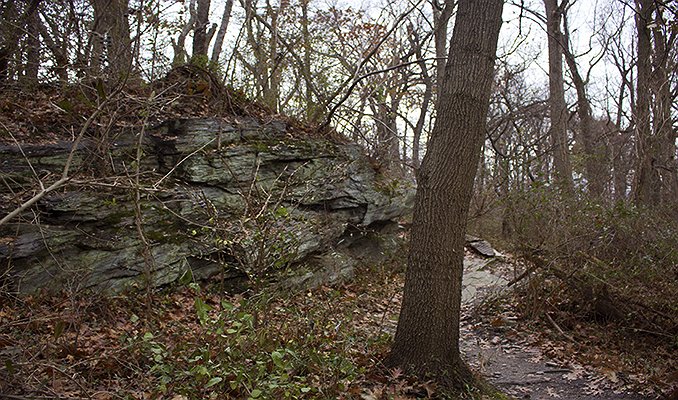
(322, 343)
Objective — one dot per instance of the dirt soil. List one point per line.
(507, 356)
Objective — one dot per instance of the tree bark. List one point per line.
(200, 41)
(427, 337)
(221, 34)
(111, 41)
(595, 161)
(557, 106)
(647, 183)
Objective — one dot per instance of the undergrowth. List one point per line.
(197, 342)
(599, 278)
(629, 250)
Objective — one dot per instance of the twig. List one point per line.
(155, 185)
(30, 165)
(64, 175)
(559, 329)
(522, 276)
(149, 259)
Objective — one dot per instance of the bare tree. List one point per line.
(593, 142)
(201, 37)
(557, 106)
(427, 337)
(111, 43)
(221, 34)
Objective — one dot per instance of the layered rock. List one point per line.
(234, 198)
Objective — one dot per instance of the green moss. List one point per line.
(388, 187)
(261, 147)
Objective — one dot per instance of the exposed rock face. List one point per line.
(231, 198)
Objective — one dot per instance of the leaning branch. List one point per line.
(64, 174)
(364, 61)
(357, 80)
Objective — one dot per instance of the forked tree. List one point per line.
(427, 337)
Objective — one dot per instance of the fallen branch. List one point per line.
(559, 329)
(603, 303)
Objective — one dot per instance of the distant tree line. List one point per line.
(375, 77)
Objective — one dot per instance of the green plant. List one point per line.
(231, 356)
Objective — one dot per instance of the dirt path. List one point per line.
(514, 365)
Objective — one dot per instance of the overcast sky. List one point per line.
(583, 16)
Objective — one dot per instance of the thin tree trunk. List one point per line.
(311, 107)
(595, 164)
(441, 19)
(426, 100)
(200, 41)
(111, 41)
(620, 163)
(274, 62)
(221, 34)
(32, 48)
(11, 33)
(419, 128)
(427, 337)
(59, 50)
(179, 45)
(663, 100)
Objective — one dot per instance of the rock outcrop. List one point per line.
(228, 198)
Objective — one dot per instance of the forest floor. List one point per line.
(507, 353)
(198, 342)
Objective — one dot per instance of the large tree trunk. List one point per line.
(647, 183)
(111, 42)
(557, 106)
(427, 337)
